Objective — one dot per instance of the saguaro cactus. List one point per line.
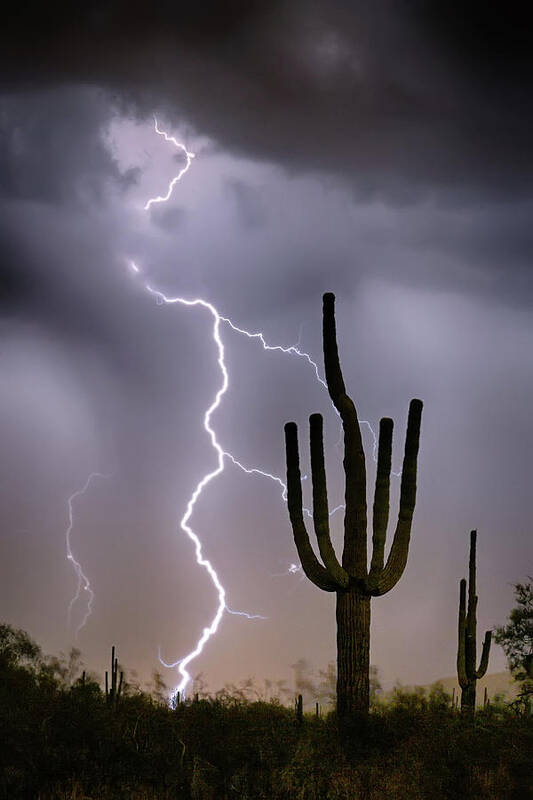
(114, 692)
(353, 582)
(467, 673)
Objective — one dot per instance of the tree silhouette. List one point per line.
(516, 638)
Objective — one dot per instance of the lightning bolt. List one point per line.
(221, 454)
(84, 583)
(292, 569)
(210, 630)
(188, 160)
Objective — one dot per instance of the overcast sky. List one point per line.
(382, 152)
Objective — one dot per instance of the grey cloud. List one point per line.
(249, 204)
(51, 149)
(170, 220)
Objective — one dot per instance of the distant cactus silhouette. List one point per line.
(353, 582)
(114, 692)
(299, 708)
(467, 673)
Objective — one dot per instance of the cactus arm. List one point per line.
(484, 663)
(471, 612)
(113, 672)
(310, 564)
(461, 647)
(381, 497)
(472, 568)
(334, 378)
(354, 556)
(397, 559)
(320, 503)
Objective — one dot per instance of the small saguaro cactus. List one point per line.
(114, 692)
(299, 708)
(467, 673)
(352, 580)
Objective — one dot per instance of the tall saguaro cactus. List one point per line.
(467, 673)
(351, 579)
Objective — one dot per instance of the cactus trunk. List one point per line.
(468, 697)
(353, 652)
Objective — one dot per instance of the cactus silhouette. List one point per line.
(467, 673)
(352, 581)
(114, 692)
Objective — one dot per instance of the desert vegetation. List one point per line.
(63, 737)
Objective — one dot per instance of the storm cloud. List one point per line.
(401, 98)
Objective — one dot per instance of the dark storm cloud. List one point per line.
(51, 150)
(17, 283)
(55, 175)
(492, 40)
(398, 98)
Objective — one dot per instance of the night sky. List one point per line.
(381, 151)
